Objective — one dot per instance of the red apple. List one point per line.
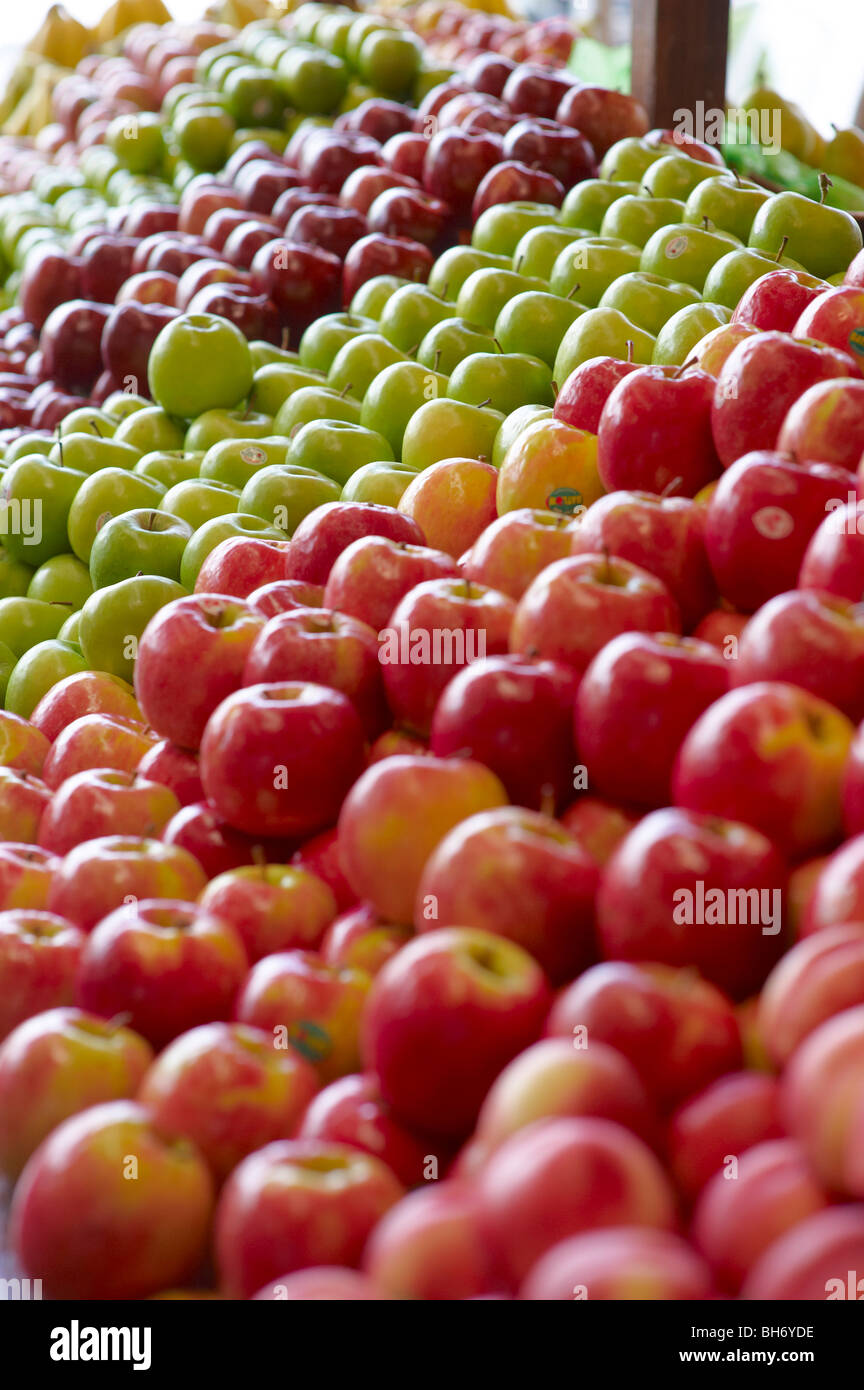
(26, 872)
(98, 876)
(513, 549)
(373, 573)
(273, 907)
(175, 768)
(431, 1246)
(635, 1263)
(97, 741)
(603, 116)
(585, 391)
(655, 432)
(102, 801)
(826, 424)
(351, 1111)
(729, 1116)
(85, 692)
(329, 529)
(39, 957)
(835, 318)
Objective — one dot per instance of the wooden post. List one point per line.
(679, 55)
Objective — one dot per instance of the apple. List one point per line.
(373, 573)
(663, 535)
(452, 502)
(396, 814)
(654, 432)
(514, 715)
(513, 549)
(456, 162)
(821, 1100)
(283, 595)
(97, 741)
(826, 424)
(321, 1283)
(776, 301)
(822, 238)
(84, 693)
(89, 1154)
(760, 519)
(40, 953)
(564, 1176)
(358, 939)
(550, 466)
(22, 746)
(98, 876)
(678, 1031)
(296, 1204)
(761, 379)
(217, 368)
(274, 907)
(540, 895)
(455, 983)
(667, 680)
(430, 1246)
(175, 768)
(771, 755)
(511, 181)
(781, 637)
(329, 529)
(69, 343)
(217, 633)
(226, 1088)
(557, 149)
(812, 1260)
(634, 1263)
(604, 117)
(575, 606)
(54, 1065)
(26, 872)
(104, 801)
(378, 255)
(732, 1114)
(819, 977)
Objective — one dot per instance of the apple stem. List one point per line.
(631, 348)
(151, 521)
(547, 799)
(706, 224)
(443, 294)
(607, 569)
(824, 184)
(575, 290)
(412, 352)
(437, 359)
(649, 191)
(345, 389)
(497, 344)
(834, 127)
(738, 178)
(679, 371)
(516, 264)
(784, 243)
(96, 430)
(118, 1021)
(484, 403)
(259, 859)
(555, 389)
(285, 339)
(670, 487)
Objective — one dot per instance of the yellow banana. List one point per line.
(61, 38)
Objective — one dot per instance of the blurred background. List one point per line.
(812, 53)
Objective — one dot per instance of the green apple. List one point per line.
(113, 619)
(214, 425)
(373, 294)
(235, 461)
(331, 31)
(383, 483)
(255, 97)
(409, 314)
(274, 383)
(283, 494)
(628, 160)
(69, 630)
(451, 340)
(389, 60)
(453, 267)
(263, 354)
(38, 671)
(122, 403)
(143, 541)
(313, 80)
(200, 500)
(203, 135)
(538, 249)
(62, 579)
(358, 362)
(7, 666)
(587, 267)
(27, 444)
(102, 496)
(688, 252)
(535, 323)
(323, 339)
(635, 219)
(444, 428)
(513, 425)
(26, 621)
(676, 175)
(499, 229)
(170, 466)
(394, 396)
(87, 453)
(15, 577)
(648, 300)
(151, 429)
(822, 238)
(601, 333)
(735, 272)
(88, 420)
(315, 403)
(502, 380)
(199, 362)
(222, 528)
(337, 448)
(726, 200)
(34, 508)
(680, 334)
(485, 293)
(360, 30)
(137, 140)
(587, 203)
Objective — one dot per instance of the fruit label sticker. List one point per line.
(566, 500)
(774, 523)
(856, 341)
(310, 1039)
(676, 247)
(252, 454)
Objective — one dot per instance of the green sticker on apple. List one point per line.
(856, 341)
(564, 499)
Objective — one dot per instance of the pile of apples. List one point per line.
(428, 590)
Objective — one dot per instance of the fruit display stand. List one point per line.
(431, 762)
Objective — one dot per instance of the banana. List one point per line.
(17, 85)
(124, 13)
(61, 38)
